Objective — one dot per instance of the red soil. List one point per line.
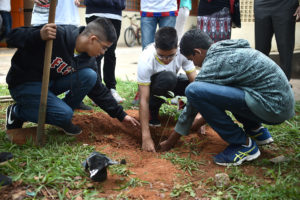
(117, 141)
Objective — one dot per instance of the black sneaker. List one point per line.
(72, 129)
(5, 156)
(4, 180)
(154, 123)
(11, 121)
(82, 106)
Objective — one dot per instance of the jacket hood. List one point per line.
(224, 45)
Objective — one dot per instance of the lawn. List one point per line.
(55, 170)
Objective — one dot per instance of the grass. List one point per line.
(56, 170)
(184, 163)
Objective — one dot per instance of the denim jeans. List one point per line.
(149, 24)
(7, 23)
(213, 100)
(59, 111)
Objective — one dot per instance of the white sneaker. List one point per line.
(117, 97)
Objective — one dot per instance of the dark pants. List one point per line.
(161, 84)
(280, 21)
(7, 23)
(109, 57)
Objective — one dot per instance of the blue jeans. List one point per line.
(59, 111)
(213, 100)
(149, 24)
(7, 23)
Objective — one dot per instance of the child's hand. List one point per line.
(148, 145)
(297, 14)
(48, 32)
(170, 142)
(130, 120)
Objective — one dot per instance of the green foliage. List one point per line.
(179, 189)
(127, 90)
(133, 182)
(120, 170)
(185, 163)
(168, 108)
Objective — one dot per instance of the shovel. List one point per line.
(37, 134)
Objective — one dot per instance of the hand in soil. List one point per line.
(148, 145)
(132, 121)
(170, 142)
(199, 121)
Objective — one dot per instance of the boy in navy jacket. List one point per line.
(72, 68)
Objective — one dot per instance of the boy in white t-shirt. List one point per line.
(157, 74)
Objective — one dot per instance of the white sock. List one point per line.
(256, 130)
(250, 143)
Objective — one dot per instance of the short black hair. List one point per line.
(194, 39)
(166, 38)
(102, 28)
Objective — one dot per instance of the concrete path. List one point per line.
(126, 68)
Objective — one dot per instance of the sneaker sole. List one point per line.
(264, 142)
(71, 134)
(155, 125)
(247, 158)
(6, 118)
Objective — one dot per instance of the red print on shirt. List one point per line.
(61, 66)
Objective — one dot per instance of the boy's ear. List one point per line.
(197, 51)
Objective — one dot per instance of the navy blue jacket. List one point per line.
(105, 6)
(28, 61)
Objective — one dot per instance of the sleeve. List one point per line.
(144, 72)
(24, 36)
(104, 99)
(187, 65)
(186, 119)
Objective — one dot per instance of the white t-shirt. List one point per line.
(158, 6)
(5, 5)
(148, 65)
(66, 13)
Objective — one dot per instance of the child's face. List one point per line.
(197, 57)
(166, 56)
(97, 47)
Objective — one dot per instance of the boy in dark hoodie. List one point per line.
(72, 68)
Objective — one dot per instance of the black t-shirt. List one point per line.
(208, 7)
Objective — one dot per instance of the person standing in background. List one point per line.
(6, 17)
(153, 13)
(41, 10)
(183, 14)
(277, 17)
(214, 19)
(111, 10)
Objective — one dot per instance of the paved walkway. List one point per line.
(126, 68)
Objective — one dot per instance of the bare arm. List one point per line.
(147, 142)
(191, 76)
